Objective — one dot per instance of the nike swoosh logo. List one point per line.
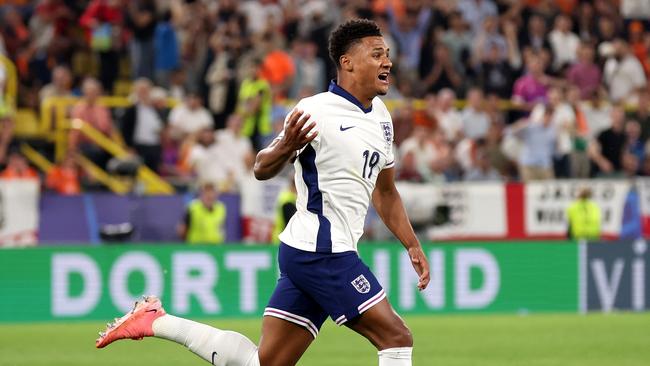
(214, 354)
(346, 128)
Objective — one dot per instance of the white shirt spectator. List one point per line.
(208, 163)
(188, 121)
(563, 120)
(423, 152)
(450, 122)
(148, 126)
(623, 77)
(259, 14)
(565, 47)
(237, 149)
(597, 116)
(475, 123)
(635, 9)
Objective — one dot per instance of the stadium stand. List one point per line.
(102, 88)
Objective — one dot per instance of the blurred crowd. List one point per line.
(482, 90)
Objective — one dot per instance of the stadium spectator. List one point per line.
(579, 159)
(586, 21)
(496, 75)
(597, 112)
(633, 143)
(63, 178)
(642, 114)
(277, 65)
(489, 40)
(417, 154)
(639, 45)
(237, 148)
(167, 54)
(481, 169)
(141, 22)
(97, 116)
(310, 75)
(538, 146)
(457, 38)
(475, 11)
(18, 168)
(476, 121)
(142, 125)
(443, 73)
(254, 104)
(585, 74)
(443, 111)
(221, 78)
(207, 161)
(103, 21)
(564, 120)
(531, 88)
(189, 117)
(623, 73)
(606, 151)
(535, 40)
(204, 218)
(564, 42)
(409, 31)
(61, 85)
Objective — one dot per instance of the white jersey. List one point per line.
(337, 171)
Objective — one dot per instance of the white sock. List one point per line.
(219, 347)
(395, 356)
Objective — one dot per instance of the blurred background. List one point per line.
(128, 130)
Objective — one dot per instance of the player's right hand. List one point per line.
(296, 134)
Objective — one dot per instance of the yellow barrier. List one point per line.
(11, 85)
(154, 184)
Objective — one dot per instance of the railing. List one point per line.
(11, 87)
(97, 173)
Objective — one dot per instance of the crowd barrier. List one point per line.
(92, 283)
(474, 211)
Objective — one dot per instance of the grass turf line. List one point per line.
(459, 340)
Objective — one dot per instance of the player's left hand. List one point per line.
(421, 265)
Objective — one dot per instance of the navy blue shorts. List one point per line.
(313, 286)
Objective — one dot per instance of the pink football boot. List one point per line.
(136, 324)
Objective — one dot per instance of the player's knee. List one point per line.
(400, 337)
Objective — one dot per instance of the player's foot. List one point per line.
(136, 324)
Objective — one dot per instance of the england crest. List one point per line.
(361, 284)
(388, 131)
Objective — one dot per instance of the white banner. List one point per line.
(18, 212)
(462, 210)
(259, 200)
(546, 204)
(643, 186)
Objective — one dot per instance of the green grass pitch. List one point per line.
(458, 340)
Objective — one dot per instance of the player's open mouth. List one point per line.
(383, 77)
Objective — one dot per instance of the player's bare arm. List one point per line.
(270, 161)
(390, 208)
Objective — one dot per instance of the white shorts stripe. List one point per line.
(342, 319)
(296, 319)
(372, 301)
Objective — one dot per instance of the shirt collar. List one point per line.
(336, 89)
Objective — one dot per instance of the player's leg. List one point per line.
(361, 305)
(282, 342)
(149, 319)
(387, 331)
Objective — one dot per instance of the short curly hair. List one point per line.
(349, 33)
